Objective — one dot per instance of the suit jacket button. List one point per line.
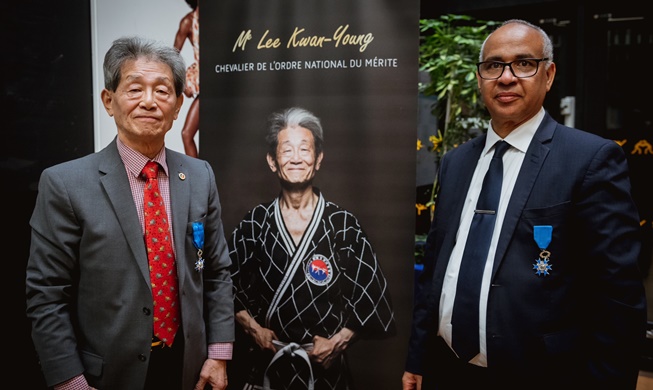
(142, 357)
(146, 311)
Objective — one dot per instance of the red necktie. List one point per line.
(163, 271)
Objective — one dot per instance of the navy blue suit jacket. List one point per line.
(587, 319)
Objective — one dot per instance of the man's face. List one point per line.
(295, 161)
(511, 100)
(144, 105)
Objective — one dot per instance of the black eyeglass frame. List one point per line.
(509, 65)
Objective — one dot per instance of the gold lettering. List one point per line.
(242, 40)
(342, 38)
(314, 40)
(270, 43)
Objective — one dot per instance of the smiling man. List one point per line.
(306, 278)
(115, 304)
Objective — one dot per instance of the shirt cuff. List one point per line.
(75, 383)
(221, 351)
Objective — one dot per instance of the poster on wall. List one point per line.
(353, 64)
(173, 24)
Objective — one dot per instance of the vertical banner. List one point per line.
(353, 63)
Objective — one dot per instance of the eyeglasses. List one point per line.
(521, 68)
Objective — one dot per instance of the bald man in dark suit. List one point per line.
(561, 300)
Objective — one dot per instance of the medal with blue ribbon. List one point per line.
(198, 241)
(542, 235)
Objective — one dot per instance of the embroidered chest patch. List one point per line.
(319, 270)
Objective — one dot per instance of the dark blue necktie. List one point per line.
(466, 309)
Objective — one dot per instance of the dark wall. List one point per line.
(602, 51)
(47, 118)
(484, 9)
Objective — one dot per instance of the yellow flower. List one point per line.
(419, 144)
(436, 140)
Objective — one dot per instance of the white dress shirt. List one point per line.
(519, 139)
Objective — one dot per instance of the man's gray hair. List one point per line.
(132, 48)
(293, 117)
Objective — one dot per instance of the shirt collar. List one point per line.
(519, 138)
(135, 161)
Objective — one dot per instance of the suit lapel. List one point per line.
(180, 203)
(116, 185)
(465, 168)
(528, 174)
(462, 168)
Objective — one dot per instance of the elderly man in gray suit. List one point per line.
(90, 295)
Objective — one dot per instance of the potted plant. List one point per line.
(448, 53)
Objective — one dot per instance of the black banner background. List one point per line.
(366, 97)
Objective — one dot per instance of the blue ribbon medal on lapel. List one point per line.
(198, 241)
(542, 235)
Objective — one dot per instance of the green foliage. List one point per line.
(449, 50)
(420, 248)
(448, 53)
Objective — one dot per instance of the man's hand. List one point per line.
(214, 373)
(411, 381)
(326, 351)
(262, 336)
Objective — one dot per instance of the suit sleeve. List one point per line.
(425, 317)
(50, 277)
(218, 287)
(610, 230)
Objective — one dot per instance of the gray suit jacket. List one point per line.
(88, 285)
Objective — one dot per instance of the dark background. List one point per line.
(46, 106)
(603, 52)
